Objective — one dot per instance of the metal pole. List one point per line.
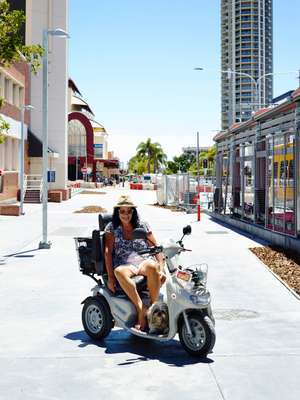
(257, 93)
(22, 163)
(86, 163)
(198, 179)
(76, 166)
(44, 244)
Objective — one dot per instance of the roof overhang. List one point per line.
(35, 147)
(77, 101)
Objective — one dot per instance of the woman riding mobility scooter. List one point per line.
(183, 306)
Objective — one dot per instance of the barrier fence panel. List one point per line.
(183, 191)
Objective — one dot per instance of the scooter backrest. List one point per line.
(104, 219)
(97, 256)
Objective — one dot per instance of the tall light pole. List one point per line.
(23, 108)
(44, 244)
(256, 81)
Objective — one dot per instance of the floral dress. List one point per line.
(125, 251)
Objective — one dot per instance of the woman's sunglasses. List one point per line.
(126, 212)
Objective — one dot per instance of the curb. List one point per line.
(276, 276)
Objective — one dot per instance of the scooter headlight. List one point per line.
(199, 274)
(201, 297)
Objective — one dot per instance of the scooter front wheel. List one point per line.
(202, 338)
(96, 318)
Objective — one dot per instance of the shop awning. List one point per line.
(35, 147)
(97, 127)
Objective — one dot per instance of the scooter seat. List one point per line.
(139, 280)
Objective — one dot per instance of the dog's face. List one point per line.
(158, 320)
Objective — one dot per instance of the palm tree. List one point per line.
(152, 152)
(159, 158)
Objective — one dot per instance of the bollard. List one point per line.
(198, 209)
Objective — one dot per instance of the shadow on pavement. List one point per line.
(120, 341)
(22, 253)
(248, 235)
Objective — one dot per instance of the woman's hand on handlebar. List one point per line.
(112, 283)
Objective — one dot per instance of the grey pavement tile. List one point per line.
(115, 377)
(258, 377)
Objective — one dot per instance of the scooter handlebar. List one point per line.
(151, 250)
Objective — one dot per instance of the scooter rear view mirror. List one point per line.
(139, 233)
(187, 230)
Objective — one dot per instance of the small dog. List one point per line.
(158, 319)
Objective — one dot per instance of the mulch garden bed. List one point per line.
(91, 192)
(91, 209)
(172, 208)
(284, 263)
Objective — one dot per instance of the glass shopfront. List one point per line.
(76, 139)
(258, 172)
(281, 183)
(262, 186)
(226, 183)
(248, 182)
(237, 189)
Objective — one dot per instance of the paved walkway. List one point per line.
(45, 353)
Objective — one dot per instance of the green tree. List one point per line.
(138, 165)
(152, 153)
(181, 163)
(208, 155)
(159, 159)
(12, 49)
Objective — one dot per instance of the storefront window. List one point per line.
(98, 150)
(281, 184)
(76, 138)
(237, 194)
(248, 182)
(270, 183)
(290, 185)
(226, 187)
(260, 192)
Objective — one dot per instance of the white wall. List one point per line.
(51, 14)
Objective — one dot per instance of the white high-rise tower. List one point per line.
(247, 48)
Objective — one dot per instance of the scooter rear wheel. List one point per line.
(203, 337)
(96, 318)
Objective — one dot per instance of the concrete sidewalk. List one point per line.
(45, 353)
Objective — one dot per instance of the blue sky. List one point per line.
(133, 62)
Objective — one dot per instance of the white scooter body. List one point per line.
(178, 298)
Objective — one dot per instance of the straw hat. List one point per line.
(125, 201)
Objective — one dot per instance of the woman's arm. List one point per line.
(108, 250)
(160, 258)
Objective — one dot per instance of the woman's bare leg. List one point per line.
(124, 275)
(150, 269)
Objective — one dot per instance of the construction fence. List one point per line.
(182, 190)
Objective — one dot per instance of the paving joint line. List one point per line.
(217, 383)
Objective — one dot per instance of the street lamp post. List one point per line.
(256, 81)
(23, 108)
(253, 80)
(44, 244)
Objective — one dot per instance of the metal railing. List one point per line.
(33, 182)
